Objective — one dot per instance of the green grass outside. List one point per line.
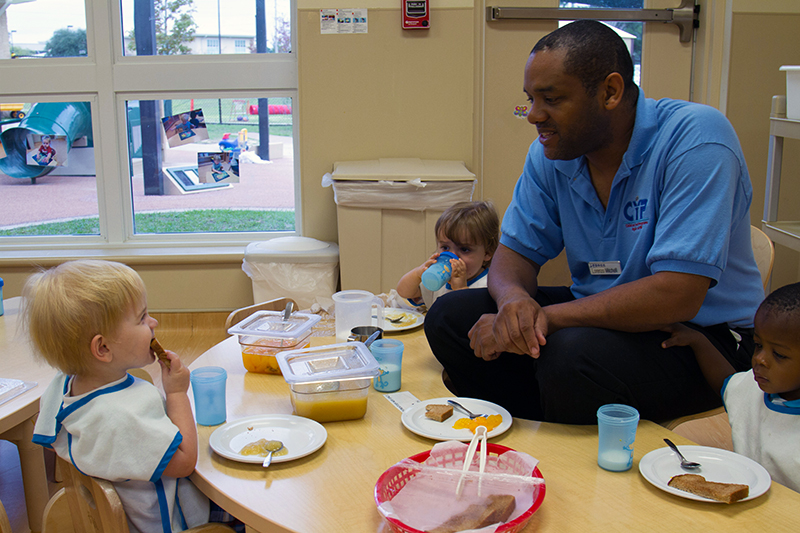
(216, 131)
(228, 110)
(193, 221)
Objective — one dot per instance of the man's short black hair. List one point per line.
(593, 51)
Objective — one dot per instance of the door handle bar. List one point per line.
(686, 16)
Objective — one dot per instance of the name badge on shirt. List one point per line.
(605, 268)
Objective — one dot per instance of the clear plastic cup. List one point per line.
(389, 354)
(208, 386)
(616, 427)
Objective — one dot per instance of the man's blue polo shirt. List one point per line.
(679, 202)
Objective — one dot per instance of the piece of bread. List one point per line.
(723, 492)
(159, 351)
(495, 508)
(438, 412)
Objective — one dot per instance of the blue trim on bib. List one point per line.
(166, 526)
(64, 412)
(167, 457)
(786, 409)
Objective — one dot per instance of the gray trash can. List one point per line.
(300, 268)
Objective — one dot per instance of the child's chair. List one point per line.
(94, 506)
(764, 253)
(278, 304)
(5, 525)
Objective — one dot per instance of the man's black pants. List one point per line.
(579, 369)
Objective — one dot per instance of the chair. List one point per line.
(94, 506)
(278, 304)
(764, 253)
(5, 525)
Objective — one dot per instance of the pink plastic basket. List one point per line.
(395, 478)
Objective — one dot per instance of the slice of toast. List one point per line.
(496, 508)
(696, 484)
(159, 351)
(438, 412)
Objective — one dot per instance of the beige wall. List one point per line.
(763, 36)
(386, 93)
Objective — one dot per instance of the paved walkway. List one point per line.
(262, 186)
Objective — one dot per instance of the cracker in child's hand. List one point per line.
(160, 353)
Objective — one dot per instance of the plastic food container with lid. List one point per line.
(264, 334)
(329, 383)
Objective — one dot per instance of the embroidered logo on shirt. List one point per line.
(634, 212)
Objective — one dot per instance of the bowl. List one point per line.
(395, 478)
(264, 334)
(329, 383)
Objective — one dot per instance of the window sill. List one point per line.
(143, 255)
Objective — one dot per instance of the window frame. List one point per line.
(107, 79)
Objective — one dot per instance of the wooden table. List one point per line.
(18, 415)
(332, 489)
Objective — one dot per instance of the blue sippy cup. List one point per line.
(436, 275)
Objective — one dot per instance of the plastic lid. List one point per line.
(293, 249)
(402, 169)
(333, 362)
(271, 324)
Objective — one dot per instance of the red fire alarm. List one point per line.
(416, 14)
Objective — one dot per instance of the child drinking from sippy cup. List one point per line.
(471, 232)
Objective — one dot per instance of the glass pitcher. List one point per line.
(354, 308)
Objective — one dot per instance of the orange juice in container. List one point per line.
(329, 383)
(264, 334)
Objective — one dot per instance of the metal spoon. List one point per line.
(288, 311)
(272, 447)
(469, 413)
(689, 465)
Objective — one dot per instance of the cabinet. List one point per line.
(785, 232)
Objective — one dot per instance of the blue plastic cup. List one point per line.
(208, 386)
(436, 275)
(389, 354)
(616, 429)
(1, 297)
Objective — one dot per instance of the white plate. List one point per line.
(301, 436)
(414, 419)
(411, 319)
(718, 465)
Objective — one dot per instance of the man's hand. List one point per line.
(520, 326)
(482, 340)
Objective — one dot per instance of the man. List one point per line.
(650, 200)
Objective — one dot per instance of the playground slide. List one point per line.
(70, 119)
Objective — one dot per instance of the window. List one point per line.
(631, 32)
(45, 28)
(160, 162)
(202, 26)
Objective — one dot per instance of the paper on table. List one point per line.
(11, 388)
(402, 400)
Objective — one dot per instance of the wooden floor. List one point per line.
(190, 335)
